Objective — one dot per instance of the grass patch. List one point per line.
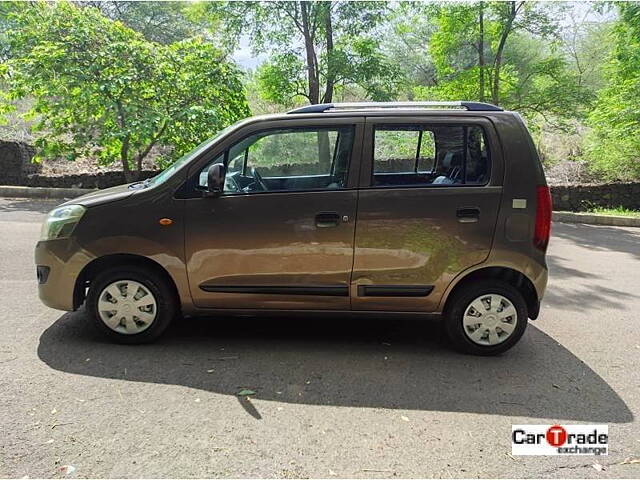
(617, 211)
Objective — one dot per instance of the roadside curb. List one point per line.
(595, 219)
(41, 192)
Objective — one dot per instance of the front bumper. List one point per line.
(58, 264)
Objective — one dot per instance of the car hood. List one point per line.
(100, 197)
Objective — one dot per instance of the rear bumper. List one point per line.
(58, 264)
(533, 309)
(539, 277)
(540, 280)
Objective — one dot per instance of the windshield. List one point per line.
(175, 166)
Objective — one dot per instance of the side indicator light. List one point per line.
(165, 221)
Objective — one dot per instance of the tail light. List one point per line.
(543, 217)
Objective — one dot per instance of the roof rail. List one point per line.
(323, 107)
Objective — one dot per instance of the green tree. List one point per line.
(510, 17)
(162, 22)
(316, 48)
(504, 52)
(588, 42)
(6, 25)
(101, 89)
(407, 40)
(613, 146)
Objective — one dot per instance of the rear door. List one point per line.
(281, 235)
(427, 208)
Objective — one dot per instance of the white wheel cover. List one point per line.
(127, 307)
(489, 319)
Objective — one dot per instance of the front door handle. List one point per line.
(327, 219)
(468, 214)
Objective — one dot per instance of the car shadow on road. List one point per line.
(582, 291)
(399, 364)
(600, 238)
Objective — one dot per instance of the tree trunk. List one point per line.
(331, 71)
(141, 155)
(324, 153)
(495, 90)
(481, 50)
(124, 148)
(139, 159)
(124, 159)
(312, 67)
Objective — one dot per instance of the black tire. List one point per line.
(461, 299)
(166, 301)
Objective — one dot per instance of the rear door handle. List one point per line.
(327, 219)
(468, 214)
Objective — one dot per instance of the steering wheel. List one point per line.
(231, 182)
(257, 178)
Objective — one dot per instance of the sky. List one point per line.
(245, 57)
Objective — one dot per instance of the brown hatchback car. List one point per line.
(352, 209)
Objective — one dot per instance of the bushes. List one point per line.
(613, 146)
(102, 89)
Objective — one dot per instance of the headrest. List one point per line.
(446, 161)
(451, 160)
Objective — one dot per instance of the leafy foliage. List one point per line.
(103, 89)
(161, 22)
(316, 48)
(613, 147)
(505, 52)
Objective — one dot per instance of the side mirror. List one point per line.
(215, 180)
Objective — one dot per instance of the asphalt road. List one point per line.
(360, 399)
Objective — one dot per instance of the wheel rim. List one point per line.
(127, 307)
(490, 319)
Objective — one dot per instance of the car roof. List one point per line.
(459, 104)
(383, 109)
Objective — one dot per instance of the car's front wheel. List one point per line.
(131, 304)
(486, 319)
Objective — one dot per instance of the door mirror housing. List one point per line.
(215, 180)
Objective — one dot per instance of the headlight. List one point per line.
(61, 221)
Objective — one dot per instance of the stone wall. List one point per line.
(16, 168)
(578, 198)
(15, 162)
(83, 180)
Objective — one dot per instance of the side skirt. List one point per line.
(357, 314)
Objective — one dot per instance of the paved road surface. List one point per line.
(366, 399)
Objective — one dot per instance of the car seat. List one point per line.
(451, 164)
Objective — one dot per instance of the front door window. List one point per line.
(287, 160)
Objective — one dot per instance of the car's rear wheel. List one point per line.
(131, 304)
(486, 319)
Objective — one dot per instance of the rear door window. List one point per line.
(421, 155)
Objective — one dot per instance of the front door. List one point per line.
(281, 235)
(427, 208)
